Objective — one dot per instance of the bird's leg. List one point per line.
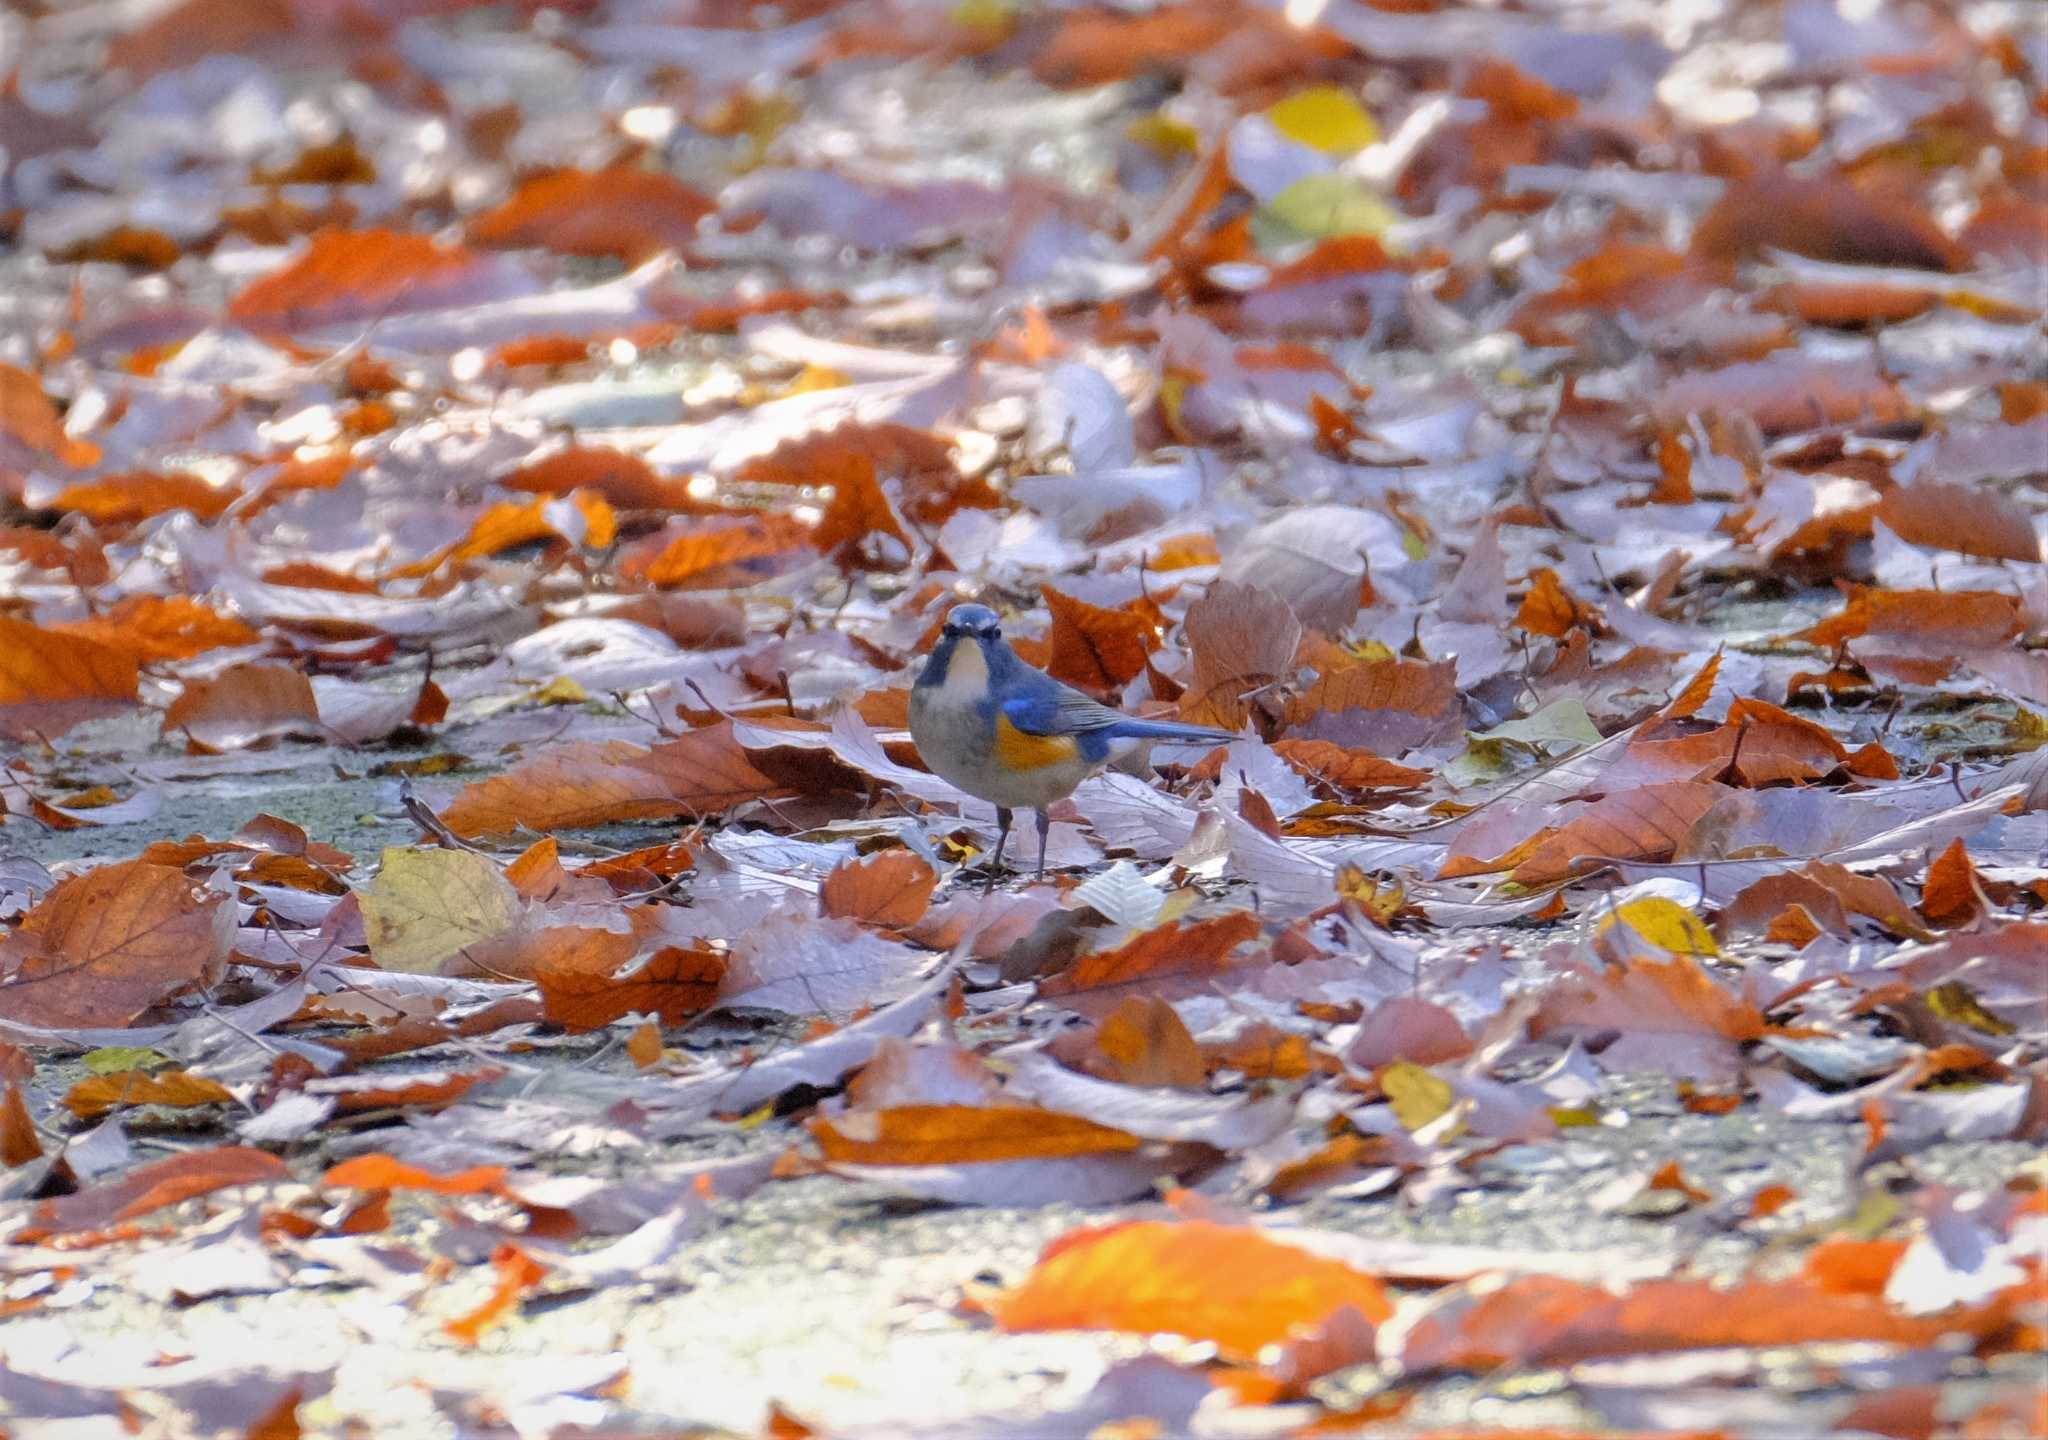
(1044, 828)
(995, 863)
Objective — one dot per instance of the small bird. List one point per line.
(1014, 736)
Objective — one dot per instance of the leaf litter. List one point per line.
(1599, 479)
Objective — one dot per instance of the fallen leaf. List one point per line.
(105, 946)
(426, 906)
(1234, 1285)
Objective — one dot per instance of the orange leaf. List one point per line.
(518, 1273)
(1180, 958)
(1234, 1285)
(381, 1172)
(892, 889)
(104, 946)
(1549, 609)
(1543, 1320)
(157, 627)
(31, 431)
(125, 499)
(623, 211)
(1648, 822)
(580, 991)
(1097, 649)
(50, 681)
(350, 275)
(625, 481)
(95, 1095)
(962, 1134)
(1953, 896)
(740, 552)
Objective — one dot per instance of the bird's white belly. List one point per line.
(958, 744)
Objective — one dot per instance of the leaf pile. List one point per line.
(1593, 460)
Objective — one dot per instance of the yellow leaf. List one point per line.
(1664, 923)
(427, 906)
(1417, 1095)
(1325, 118)
(1165, 134)
(561, 691)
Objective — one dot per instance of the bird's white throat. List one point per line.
(966, 681)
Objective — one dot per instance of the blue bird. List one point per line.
(1014, 736)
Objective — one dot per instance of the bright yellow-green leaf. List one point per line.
(1321, 207)
(111, 1058)
(1664, 923)
(1418, 1096)
(1325, 118)
(1956, 1002)
(426, 906)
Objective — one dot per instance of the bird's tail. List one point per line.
(1170, 733)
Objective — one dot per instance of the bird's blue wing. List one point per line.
(1055, 709)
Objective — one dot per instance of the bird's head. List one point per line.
(970, 647)
(973, 622)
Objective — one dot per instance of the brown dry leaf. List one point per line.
(96, 1095)
(1969, 519)
(1143, 1042)
(1940, 621)
(244, 705)
(1543, 1320)
(624, 211)
(702, 773)
(1826, 217)
(50, 681)
(1786, 392)
(1668, 1015)
(166, 1182)
(160, 627)
(1099, 650)
(706, 772)
(357, 275)
(1350, 770)
(19, 1142)
(105, 946)
(564, 787)
(1243, 639)
(891, 890)
(962, 1134)
(1647, 822)
(1425, 690)
(581, 989)
(1181, 958)
(1234, 1285)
